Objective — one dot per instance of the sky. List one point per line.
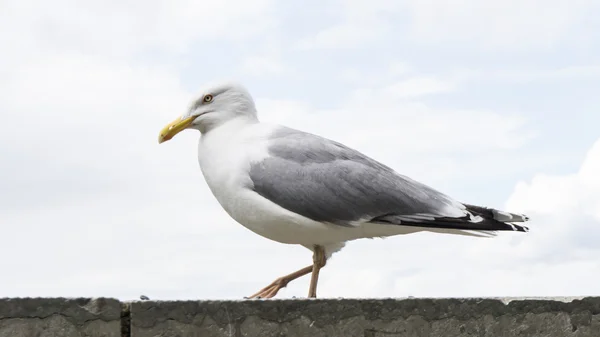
(494, 103)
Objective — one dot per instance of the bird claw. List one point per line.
(269, 291)
(252, 297)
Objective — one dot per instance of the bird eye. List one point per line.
(207, 98)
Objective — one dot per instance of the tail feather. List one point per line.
(483, 220)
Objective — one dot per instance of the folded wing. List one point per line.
(328, 182)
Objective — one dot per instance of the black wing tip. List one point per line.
(464, 223)
(495, 214)
(476, 219)
(497, 225)
(504, 227)
(519, 228)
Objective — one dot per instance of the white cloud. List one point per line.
(352, 34)
(528, 75)
(394, 73)
(496, 24)
(356, 23)
(264, 65)
(398, 68)
(491, 25)
(418, 86)
(267, 60)
(404, 81)
(566, 205)
(117, 29)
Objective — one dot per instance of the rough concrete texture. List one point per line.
(52, 317)
(368, 318)
(40, 317)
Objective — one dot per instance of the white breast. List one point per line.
(225, 154)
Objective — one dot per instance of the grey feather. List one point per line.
(326, 181)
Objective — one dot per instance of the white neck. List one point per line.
(230, 126)
(209, 124)
(223, 149)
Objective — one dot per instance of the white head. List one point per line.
(214, 106)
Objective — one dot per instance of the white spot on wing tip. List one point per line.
(475, 218)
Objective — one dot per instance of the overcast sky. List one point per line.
(494, 103)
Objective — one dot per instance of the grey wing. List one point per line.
(328, 182)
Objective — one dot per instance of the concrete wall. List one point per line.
(40, 317)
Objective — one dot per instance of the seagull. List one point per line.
(295, 187)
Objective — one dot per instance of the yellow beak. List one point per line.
(174, 128)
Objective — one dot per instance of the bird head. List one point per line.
(215, 105)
